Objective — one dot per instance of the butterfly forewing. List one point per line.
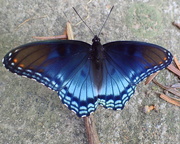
(137, 60)
(49, 62)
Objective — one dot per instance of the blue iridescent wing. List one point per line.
(126, 64)
(62, 66)
(80, 94)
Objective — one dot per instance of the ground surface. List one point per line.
(31, 113)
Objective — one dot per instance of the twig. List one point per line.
(68, 34)
(51, 37)
(177, 62)
(170, 100)
(174, 69)
(172, 90)
(151, 77)
(27, 20)
(69, 31)
(91, 130)
(176, 24)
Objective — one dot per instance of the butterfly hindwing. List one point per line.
(80, 94)
(116, 88)
(126, 64)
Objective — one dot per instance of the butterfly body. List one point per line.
(85, 75)
(97, 60)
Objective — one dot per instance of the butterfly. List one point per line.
(85, 75)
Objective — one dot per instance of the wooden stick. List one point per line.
(91, 130)
(171, 90)
(27, 20)
(68, 34)
(151, 77)
(69, 31)
(51, 37)
(176, 24)
(170, 100)
(174, 70)
(177, 62)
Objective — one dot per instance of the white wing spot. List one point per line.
(19, 68)
(47, 79)
(28, 70)
(53, 82)
(39, 74)
(10, 54)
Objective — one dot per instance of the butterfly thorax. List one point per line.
(97, 49)
(97, 58)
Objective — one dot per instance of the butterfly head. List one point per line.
(96, 39)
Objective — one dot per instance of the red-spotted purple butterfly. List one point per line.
(85, 75)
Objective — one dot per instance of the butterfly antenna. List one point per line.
(83, 21)
(105, 21)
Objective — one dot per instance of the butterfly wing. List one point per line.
(80, 94)
(126, 64)
(62, 66)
